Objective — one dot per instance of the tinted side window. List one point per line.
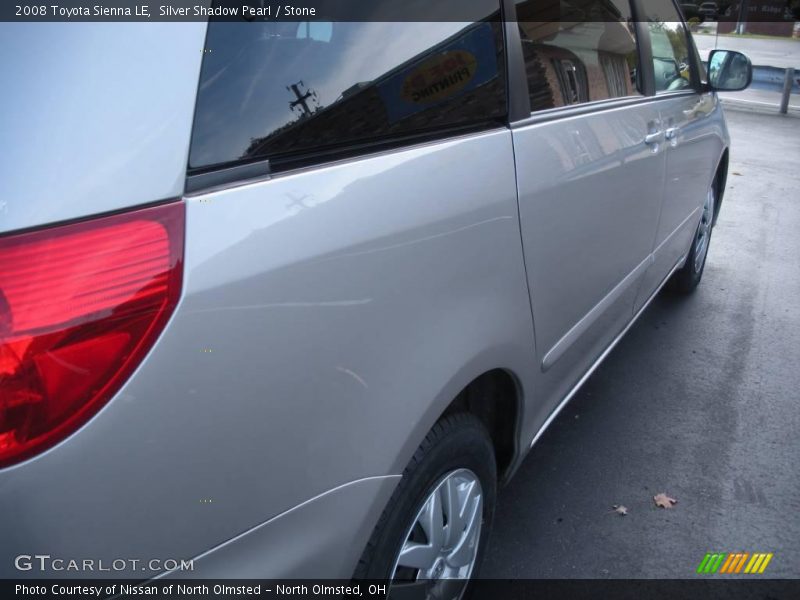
(578, 51)
(290, 91)
(669, 43)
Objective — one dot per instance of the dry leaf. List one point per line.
(620, 509)
(664, 501)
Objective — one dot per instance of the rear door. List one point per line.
(590, 170)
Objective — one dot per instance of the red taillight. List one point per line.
(80, 306)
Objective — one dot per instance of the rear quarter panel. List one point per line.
(328, 318)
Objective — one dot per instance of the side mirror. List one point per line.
(729, 71)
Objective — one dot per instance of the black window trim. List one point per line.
(213, 179)
(645, 47)
(519, 102)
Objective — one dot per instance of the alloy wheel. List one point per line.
(441, 546)
(704, 232)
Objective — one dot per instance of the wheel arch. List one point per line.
(495, 398)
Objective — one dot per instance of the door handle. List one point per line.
(654, 138)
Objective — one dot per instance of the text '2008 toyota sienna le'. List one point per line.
(290, 298)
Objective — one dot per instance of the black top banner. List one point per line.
(730, 11)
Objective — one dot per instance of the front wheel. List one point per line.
(430, 539)
(685, 280)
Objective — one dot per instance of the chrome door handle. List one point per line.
(654, 138)
(671, 133)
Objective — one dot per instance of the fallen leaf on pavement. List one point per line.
(620, 509)
(664, 501)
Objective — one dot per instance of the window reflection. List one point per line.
(670, 47)
(577, 51)
(281, 89)
(670, 56)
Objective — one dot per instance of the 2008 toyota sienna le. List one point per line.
(291, 298)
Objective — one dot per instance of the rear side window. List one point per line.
(301, 91)
(578, 51)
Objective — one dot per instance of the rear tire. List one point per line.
(426, 543)
(686, 279)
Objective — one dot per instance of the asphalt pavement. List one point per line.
(701, 400)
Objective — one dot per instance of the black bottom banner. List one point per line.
(505, 589)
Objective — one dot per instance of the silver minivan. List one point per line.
(286, 299)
